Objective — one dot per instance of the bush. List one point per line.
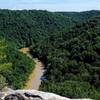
(2, 82)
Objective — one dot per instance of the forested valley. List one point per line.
(68, 43)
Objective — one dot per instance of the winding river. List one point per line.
(34, 80)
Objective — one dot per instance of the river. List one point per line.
(34, 80)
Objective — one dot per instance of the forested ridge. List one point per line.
(67, 43)
(24, 27)
(15, 67)
(73, 66)
(81, 16)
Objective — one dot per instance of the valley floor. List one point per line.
(34, 80)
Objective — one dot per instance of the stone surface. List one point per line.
(9, 94)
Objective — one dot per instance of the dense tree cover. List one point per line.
(75, 60)
(27, 26)
(70, 89)
(81, 16)
(15, 67)
(67, 43)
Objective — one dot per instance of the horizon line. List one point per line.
(51, 11)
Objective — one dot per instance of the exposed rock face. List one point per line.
(31, 95)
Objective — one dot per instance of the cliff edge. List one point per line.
(31, 95)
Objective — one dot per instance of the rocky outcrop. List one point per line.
(31, 95)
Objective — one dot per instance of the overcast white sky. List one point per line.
(51, 5)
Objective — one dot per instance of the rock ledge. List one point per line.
(31, 95)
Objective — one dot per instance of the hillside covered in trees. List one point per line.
(81, 16)
(15, 67)
(73, 64)
(25, 27)
(67, 43)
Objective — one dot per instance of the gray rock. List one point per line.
(14, 97)
(31, 95)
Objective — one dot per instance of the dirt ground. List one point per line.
(34, 80)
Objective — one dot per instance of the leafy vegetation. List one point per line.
(70, 89)
(15, 67)
(81, 16)
(25, 27)
(67, 43)
(75, 60)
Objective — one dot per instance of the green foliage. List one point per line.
(79, 62)
(27, 26)
(67, 43)
(12, 64)
(97, 96)
(71, 89)
(81, 16)
(2, 82)
(21, 68)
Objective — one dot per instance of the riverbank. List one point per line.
(34, 80)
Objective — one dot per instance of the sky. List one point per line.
(51, 5)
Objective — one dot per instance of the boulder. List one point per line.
(31, 95)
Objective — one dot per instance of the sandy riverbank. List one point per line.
(34, 80)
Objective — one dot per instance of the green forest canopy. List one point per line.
(67, 43)
(12, 64)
